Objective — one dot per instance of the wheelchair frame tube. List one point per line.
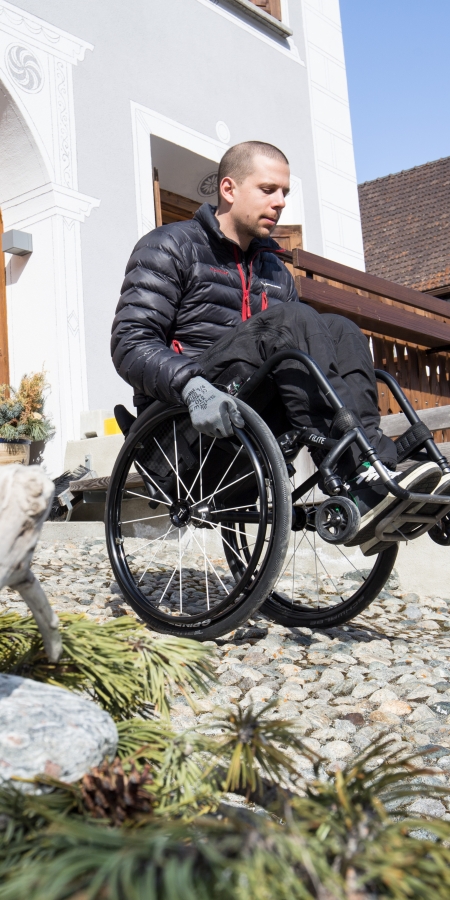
(412, 416)
(307, 361)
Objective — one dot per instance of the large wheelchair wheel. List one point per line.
(323, 585)
(180, 508)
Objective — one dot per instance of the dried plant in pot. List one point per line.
(22, 419)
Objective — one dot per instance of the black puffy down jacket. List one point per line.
(185, 285)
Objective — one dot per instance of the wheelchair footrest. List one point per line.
(408, 512)
(412, 440)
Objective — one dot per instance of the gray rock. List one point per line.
(411, 598)
(442, 707)
(257, 694)
(48, 730)
(230, 676)
(427, 807)
(337, 750)
(292, 692)
(413, 613)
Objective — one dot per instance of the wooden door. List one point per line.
(171, 207)
(176, 208)
(4, 355)
(290, 238)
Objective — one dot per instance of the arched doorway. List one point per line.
(21, 170)
(41, 317)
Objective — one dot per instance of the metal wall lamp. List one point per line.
(19, 243)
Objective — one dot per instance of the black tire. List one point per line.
(265, 502)
(277, 609)
(289, 605)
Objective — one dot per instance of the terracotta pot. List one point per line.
(14, 452)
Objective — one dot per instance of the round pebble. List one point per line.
(337, 750)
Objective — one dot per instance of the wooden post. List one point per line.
(157, 196)
(4, 354)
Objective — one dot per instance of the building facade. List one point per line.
(103, 106)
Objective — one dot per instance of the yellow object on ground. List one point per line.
(111, 426)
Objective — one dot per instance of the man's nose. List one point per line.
(279, 200)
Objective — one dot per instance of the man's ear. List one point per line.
(226, 190)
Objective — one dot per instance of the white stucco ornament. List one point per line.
(24, 69)
(208, 185)
(223, 132)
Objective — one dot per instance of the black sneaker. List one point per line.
(374, 501)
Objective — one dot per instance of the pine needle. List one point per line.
(121, 666)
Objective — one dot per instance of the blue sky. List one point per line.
(398, 70)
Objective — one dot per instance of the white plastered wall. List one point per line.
(336, 175)
(39, 194)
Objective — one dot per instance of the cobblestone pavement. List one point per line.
(386, 671)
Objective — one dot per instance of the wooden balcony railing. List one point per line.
(406, 328)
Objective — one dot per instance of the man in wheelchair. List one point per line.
(205, 303)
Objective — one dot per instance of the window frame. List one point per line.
(270, 11)
(263, 18)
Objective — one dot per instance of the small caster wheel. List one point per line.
(337, 520)
(440, 533)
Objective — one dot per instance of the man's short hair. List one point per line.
(237, 162)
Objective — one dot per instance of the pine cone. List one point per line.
(108, 792)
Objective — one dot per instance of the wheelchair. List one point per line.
(203, 532)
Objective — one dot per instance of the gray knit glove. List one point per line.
(212, 412)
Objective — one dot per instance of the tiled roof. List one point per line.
(406, 226)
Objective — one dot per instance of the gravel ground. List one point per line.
(387, 671)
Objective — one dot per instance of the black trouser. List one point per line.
(335, 343)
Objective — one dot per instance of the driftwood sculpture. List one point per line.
(26, 494)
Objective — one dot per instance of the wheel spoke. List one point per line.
(216, 525)
(144, 519)
(166, 587)
(152, 540)
(134, 494)
(174, 470)
(217, 528)
(210, 563)
(226, 473)
(181, 577)
(315, 564)
(288, 563)
(154, 483)
(293, 570)
(206, 573)
(351, 563)
(230, 509)
(171, 579)
(226, 487)
(202, 463)
(317, 557)
(234, 530)
(162, 539)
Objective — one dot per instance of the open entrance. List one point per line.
(182, 181)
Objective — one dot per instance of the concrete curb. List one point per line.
(76, 531)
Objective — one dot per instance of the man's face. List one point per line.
(259, 200)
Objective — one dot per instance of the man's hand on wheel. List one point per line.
(212, 412)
